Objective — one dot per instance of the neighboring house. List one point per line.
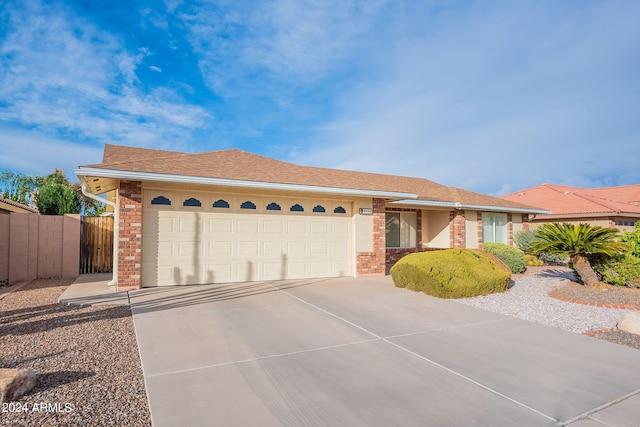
(617, 207)
(8, 206)
(232, 216)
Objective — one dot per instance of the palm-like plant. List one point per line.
(579, 242)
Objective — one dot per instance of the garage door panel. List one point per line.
(166, 249)
(271, 226)
(340, 229)
(184, 247)
(296, 227)
(221, 272)
(248, 226)
(273, 249)
(296, 269)
(319, 248)
(319, 228)
(219, 225)
(248, 248)
(340, 248)
(297, 248)
(220, 249)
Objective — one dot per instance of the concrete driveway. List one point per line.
(360, 352)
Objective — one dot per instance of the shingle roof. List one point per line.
(565, 200)
(240, 165)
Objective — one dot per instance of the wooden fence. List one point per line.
(96, 244)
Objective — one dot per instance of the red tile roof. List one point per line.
(565, 200)
(235, 164)
(17, 205)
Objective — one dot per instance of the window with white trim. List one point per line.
(494, 227)
(401, 229)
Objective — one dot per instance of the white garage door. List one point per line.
(217, 239)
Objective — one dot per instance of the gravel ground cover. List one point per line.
(86, 360)
(528, 299)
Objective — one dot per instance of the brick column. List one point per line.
(509, 229)
(480, 230)
(374, 263)
(525, 222)
(130, 236)
(457, 228)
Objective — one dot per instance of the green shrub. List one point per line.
(532, 261)
(523, 240)
(632, 238)
(451, 273)
(513, 257)
(623, 270)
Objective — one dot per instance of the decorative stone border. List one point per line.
(595, 332)
(553, 294)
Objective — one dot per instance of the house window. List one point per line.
(401, 229)
(494, 227)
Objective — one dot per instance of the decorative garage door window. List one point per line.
(319, 209)
(248, 205)
(339, 210)
(297, 208)
(273, 206)
(192, 202)
(220, 204)
(161, 200)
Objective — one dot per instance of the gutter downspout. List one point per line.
(116, 231)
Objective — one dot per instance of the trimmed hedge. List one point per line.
(511, 256)
(451, 273)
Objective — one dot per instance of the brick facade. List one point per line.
(130, 235)
(457, 236)
(373, 263)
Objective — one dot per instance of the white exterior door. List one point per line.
(188, 244)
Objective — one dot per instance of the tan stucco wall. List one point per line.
(436, 233)
(363, 226)
(516, 220)
(471, 229)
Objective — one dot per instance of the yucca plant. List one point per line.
(578, 242)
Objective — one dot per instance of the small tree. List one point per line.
(579, 242)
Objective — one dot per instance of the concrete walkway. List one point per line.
(92, 289)
(360, 352)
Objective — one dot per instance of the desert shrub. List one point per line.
(551, 259)
(523, 240)
(451, 273)
(532, 261)
(623, 270)
(513, 257)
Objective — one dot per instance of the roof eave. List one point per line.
(84, 172)
(457, 205)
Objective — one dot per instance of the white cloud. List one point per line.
(496, 99)
(61, 75)
(33, 153)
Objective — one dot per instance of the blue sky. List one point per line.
(491, 96)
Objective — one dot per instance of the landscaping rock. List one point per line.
(630, 323)
(15, 382)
